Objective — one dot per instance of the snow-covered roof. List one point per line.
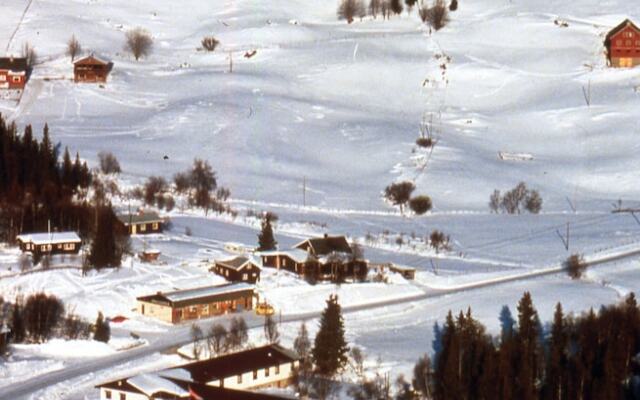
(49, 238)
(177, 373)
(150, 384)
(238, 263)
(145, 217)
(296, 255)
(200, 294)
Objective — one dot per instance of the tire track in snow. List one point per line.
(15, 31)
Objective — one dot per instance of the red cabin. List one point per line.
(13, 73)
(623, 45)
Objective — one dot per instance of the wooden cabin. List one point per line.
(325, 245)
(623, 45)
(294, 260)
(229, 377)
(144, 222)
(50, 243)
(238, 269)
(13, 73)
(406, 272)
(91, 69)
(203, 302)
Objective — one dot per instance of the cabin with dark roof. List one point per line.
(203, 302)
(91, 69)
(260, 367)
(50, 243)
(143, 222)
(325, 245)
(623, 45)
(294, 260)
(13, 73)
(238, 269)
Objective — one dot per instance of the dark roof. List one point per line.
(90, 60)
(13, 63)
(145, 217)
(327, 244)
(202, 390)
(235, 263)
(618, 28)
(238, 363)
(181, 298)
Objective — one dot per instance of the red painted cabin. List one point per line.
(623, 45)
(13, 73)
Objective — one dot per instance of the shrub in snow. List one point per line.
(436, 16)
(108, 163)
(424, 141)
(515, 200)
(399, 193)
(453, 5)
(439, 241)
(420, 204)
(349, 9)
(209, 43)
(575, 266)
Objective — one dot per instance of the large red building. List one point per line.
(13, 73)
(623, 45)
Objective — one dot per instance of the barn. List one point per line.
(13, 73)
(91, 69)
(623, 45)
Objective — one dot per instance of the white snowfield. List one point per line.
(334, 109)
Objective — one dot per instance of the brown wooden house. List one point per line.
(13, 73)
(238, 269)
(325, 245)
(623, 45)
(294, 260)
(91, 69)
(203, 302)
(144, 222)
(50, 243)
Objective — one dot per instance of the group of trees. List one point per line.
(399, 194)
(218, 340)
(516, 200)
(435, 15)
(41, 317)
(586, 357)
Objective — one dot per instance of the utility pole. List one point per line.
(230, 62)
(304, 191)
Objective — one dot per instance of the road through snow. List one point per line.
(181, 336)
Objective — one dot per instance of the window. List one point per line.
(193, 308)
(618, 42)
(107, 394)
(69, 246)
(155, 226)
(205, 309)
(277, 369)
(239, 379)
(245, 277)
(266, 372)
(143, 227)
(123, 396)
(3, 78)
(255, 375)
(16, 79)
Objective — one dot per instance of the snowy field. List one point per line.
(339, 106)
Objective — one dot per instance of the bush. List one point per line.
(453, 5)
(154, 187)
(533, 202)
(42, 313)
(515, 200)
(437, 15)
(138, 42)
(439, 241)
(209, 43)
(424, 141)
(109, 163)
(420, 204)
(575, 266)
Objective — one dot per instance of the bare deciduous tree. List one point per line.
(138, 42)
(73, 47)
(109, 163)
(349, 9)
(29, 52)
(437, 15)
(209, 43)
(216, 340)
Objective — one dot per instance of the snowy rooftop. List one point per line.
(198, 293)
(49, 238)
(297, 255)
(151, 384)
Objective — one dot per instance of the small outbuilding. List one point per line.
(623, 45)
(50, 243)
(91, 69)
(13, 73)
(238, 269)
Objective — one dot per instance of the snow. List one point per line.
(53, 238)
(151, 383)
(338, 107)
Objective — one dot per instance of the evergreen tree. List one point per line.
(266, 240)
(105, 250)
(102, 331)
(18, 329)
(302, 344)
(557, 360)
(271, 333)
(330, 347)
(67, 170)
(528, 349)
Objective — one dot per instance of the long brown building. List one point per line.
(191, 304)
(50, 243)
(91, 69)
